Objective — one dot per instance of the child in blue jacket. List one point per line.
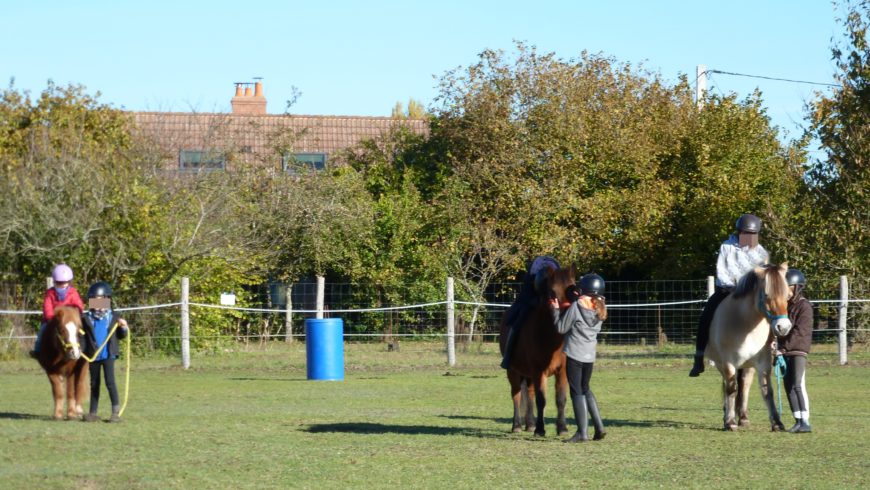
(98, 323)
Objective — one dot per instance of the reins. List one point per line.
(779, 369)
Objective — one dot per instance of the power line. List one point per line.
(771, 78)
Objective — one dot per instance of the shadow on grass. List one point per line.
(549, 422)
(375, 428)
(23, 416)
(267, 379)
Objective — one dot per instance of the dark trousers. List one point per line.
(585, 404)
(579, 374)
(703, 336)
(108, 368)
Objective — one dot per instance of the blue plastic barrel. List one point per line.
(324, 348)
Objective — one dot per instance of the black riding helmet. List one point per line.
(794, 276)
(797, 279)
(748, 223)
(592, 284)
(101, 288)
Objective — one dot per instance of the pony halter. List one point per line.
(762, 307)
(69, 345)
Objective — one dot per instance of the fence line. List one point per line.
(399, 308)
(670, 318)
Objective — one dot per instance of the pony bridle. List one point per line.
(70, 346)
(777, 326)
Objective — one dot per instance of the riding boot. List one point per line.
(91, 417)
(698, 367)
(579, 402)
(795, 427)
(116, 414)
(35, 352)
(804, 427)
(592, 405)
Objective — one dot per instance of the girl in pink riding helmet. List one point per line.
(61, 294)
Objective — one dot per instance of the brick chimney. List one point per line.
(244, 103)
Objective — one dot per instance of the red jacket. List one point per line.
(50, 302)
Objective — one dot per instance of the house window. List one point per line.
(196, 160)
(301, 162)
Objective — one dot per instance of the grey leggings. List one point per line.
(795, 386)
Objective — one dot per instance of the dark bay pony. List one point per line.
(741, 334)
(61, 357)
(537, 356)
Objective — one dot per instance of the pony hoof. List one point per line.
(517, 430)
(540, 433)
(563, 433)
(777, 427)
(743, 423)
(730, 428)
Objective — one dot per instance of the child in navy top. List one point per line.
(98, 323)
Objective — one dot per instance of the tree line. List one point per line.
(597, 162)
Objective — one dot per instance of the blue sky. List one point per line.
(360, 58)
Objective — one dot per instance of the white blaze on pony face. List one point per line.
(72, 339)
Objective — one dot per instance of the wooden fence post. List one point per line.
(185, 322)
(451, 339)
(288, 314)
(843, 317)
(321, 287)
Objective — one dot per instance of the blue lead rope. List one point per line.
(779, 370)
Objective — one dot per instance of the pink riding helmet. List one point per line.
(62, 273)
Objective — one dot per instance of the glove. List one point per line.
(571, 293)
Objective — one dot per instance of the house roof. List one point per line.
(266, 135)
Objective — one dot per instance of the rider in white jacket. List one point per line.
(738, 254)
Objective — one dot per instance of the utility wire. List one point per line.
(771, 78)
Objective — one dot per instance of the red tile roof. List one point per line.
(264, 136)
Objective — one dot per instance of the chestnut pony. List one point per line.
(61, 357)
(741, 334)
(537, 356)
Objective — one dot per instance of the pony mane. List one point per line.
(747, 284)
(562, 278)
(750, 282)
(558, 282)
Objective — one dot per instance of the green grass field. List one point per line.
(403, 419)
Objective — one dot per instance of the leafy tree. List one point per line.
(414, 110)
(836, 217)
(597, 162)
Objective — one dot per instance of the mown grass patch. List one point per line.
(250, 419)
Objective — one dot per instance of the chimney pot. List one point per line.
(250, 102)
